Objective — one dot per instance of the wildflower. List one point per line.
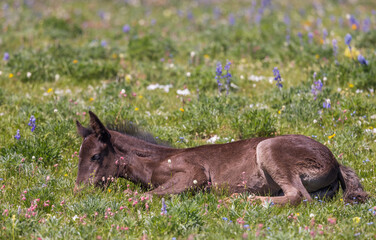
(49, 90)
(32, 123)
(75, 61)
(181, 110)
(28, 74)
(164, 207)
(218, 76)
(195, 182)
(351, 85)
(316, 87)
(126, 28)
(11, 75)
(324, 34)
(332, 221)
(362, 60)
(277, 77)
(356, 219)
(91, 99)
(335, 49)
(17, 136)
(310, 37)
(228, 76)
(348, 40)
(136, 109)
(331, 136)
(300, 35)
(103, 43)
(57, 77)
(326, 104)
(6, 56)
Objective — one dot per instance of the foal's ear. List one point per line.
(84, 132)
(99, 129)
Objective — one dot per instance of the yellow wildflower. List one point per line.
(351, 54)
(279, 111)
(354, 27)
(114, 55)
(351, 85)
(331, 136)
(11, 75)
(136, 109)
(91, 99)
(49, 90)
(317, 56)
(128, 78)
(181, 109)
(65, 175)
(206, 56)
(109, 190)
(75, 61)
(140, 97)
(297, 214)
(356, 219)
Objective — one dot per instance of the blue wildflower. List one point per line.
(324, 34)
(300, 35)
(31, 123)
(348, 40)
(310, 37)
(246, 226)
(17, 136)
(6, 56)
(103, 43)
(126, 28)
(326, 104)
(231, 19)
(362, 60)
(164, 208)
(228, 76)
(225, 218)
(277, 77)
(1, 179)
(316, 87)
(366, 25)
(218, 76)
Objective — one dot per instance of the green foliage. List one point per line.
(66, 58)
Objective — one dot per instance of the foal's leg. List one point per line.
(280, 172)
(180, 182)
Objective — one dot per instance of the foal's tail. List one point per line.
(352, 188)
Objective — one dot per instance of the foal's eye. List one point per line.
(96, 157)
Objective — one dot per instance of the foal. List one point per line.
(286, 168)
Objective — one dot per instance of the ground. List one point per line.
(156, 64)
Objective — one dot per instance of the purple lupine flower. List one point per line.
(288, 38)
(103, 43)
(316, 87)
(300, 35)
(318, 22)
(163, 208)
(6, 56)
(310, 37)
(126, 28)
(366, 25)
(218, 76)
(353, 21)
(190, 15)
(228, 76)
(362, 60)
(231, 19)
(348, 40)
(326, 104)
(335, 49)
(324, 34)
(217, 13)
(17, 136)
(277, 77)
(286, 19)
(31, 123)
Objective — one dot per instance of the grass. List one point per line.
(69, 57)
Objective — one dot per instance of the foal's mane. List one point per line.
(131, 129)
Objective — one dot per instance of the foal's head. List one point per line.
(97, 156)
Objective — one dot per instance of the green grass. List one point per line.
(60, 68)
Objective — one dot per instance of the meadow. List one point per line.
(190, 73)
